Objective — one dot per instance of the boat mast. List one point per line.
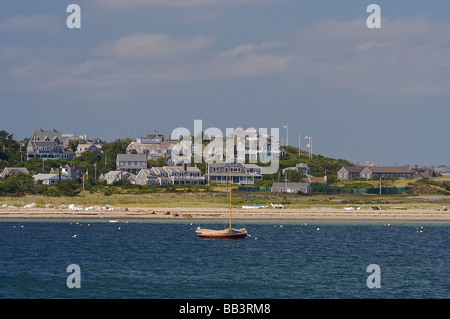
(230, 198)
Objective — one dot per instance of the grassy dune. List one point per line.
(219, 199)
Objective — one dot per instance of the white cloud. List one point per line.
(40, 23)
(154, 45)
(327, 54)
(248, 60)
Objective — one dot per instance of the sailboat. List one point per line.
(227, 233)
(252, 206)
(279, 205)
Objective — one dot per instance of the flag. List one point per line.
(307, 137)
(307, 145)
(284, 126)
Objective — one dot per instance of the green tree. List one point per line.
(110, 151)
(18, 184)
(9, 150)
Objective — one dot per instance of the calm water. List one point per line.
(161, 259)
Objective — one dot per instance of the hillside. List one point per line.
(318, 165)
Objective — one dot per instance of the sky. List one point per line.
(363, 94)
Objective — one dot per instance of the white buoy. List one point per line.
(317, 228)
(74, 236)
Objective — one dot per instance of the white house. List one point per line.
(49, 179)
(113, 176)
(242, 174)
(291, 187)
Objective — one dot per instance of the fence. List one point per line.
(360, 190)
(262, 189)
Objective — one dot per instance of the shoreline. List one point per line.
(187, 213)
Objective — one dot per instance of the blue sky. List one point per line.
(135, 66)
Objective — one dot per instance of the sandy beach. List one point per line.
(319, 213)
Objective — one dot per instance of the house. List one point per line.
(177, 175)
(113, 176)
(153, 145)
(153, 176)
(49, 179)
(386, 171)
(368, 172)
(131, 162)
(250, 147)
(348, 172)
(291, 188)
(184, 175)
(69, 171)
(173, 152)
(154, 138)
(240, 173)
(88, 147)
(423, 173)
(301, 167)
(48, 145)
(13, 171)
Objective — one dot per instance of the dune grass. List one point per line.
(220, 199)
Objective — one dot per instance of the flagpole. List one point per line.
(299, 145)
(287, 134)
(309, 146)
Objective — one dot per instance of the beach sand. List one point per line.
(318, 213)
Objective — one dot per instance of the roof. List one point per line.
(290, 185)
(113, 173)
(354, 169)
(150, 148)
(47, 176)
(234, 164)
(14, 170)
(45, 143)
(132, 157)
(233, 174)
(390, 169)
(174, 168)
(48, 135)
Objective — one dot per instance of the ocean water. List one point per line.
(160, 259)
